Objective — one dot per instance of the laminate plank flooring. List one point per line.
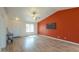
(36, 43)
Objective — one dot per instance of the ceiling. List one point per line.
(23, 12)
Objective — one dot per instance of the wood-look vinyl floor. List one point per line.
(37, 43)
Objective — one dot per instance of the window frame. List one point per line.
(30, 27)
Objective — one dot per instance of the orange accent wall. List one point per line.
(67, 22)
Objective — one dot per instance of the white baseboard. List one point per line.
(60, 39)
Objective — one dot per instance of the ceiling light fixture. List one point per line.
(34, 13)
(17, 18)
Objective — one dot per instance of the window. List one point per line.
(29, 27)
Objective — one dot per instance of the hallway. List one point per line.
(39, 43)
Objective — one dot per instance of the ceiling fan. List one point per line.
(35, 14)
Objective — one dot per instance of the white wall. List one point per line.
(18, 28)
(3, 26)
